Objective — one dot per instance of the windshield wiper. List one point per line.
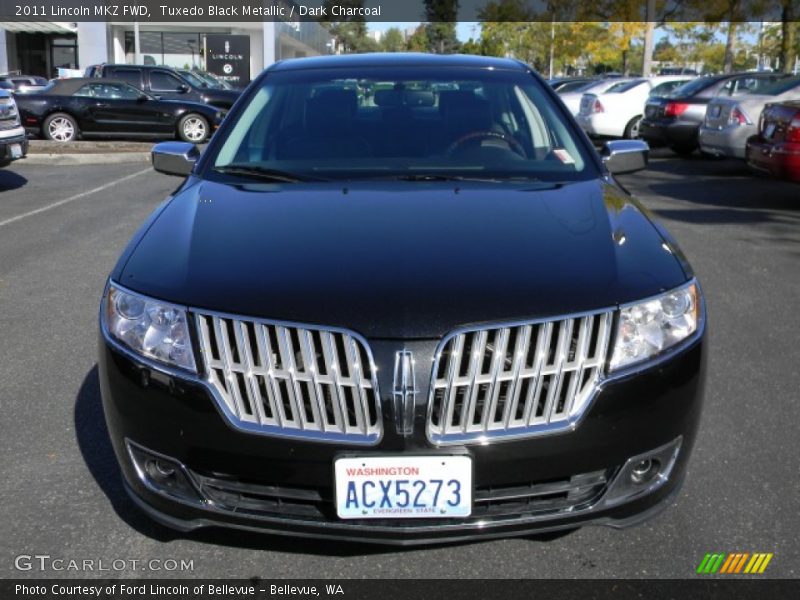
(445, 177)
(264, 173)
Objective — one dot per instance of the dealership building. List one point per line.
(41, 48)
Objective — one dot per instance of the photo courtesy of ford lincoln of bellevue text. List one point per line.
(400, 298)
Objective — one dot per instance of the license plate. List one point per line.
(16, 151)
(769, 130)
(403, 487)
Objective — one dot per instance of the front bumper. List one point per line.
(178, 418)
(10, 138)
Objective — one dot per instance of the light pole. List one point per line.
(191, 43)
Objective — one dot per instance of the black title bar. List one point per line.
(701, 588)
(230, 11)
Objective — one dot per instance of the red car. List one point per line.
(776, 147)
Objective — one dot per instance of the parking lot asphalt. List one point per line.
(62, 229)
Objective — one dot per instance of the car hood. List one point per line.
(401, 260)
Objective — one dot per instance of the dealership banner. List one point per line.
(291, 11)
(388, 589)
(228, 57)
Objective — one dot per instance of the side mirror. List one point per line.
(183, 88)
(175, 158)
(142, 98)
(625, 156)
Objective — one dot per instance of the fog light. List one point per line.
(644, 470)
(643, 474)
(162, 474)
(159, 470)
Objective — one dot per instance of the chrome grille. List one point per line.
(291, 380)
(517, 380)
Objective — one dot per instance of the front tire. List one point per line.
(193, 128)
(60, 127)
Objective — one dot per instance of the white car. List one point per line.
(617, 111)
(573, 98)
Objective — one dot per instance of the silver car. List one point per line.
(730, 121)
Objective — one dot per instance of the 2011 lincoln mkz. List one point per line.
(401, 299)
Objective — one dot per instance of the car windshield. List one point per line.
(194, 79)
(691, 88)
(573, 86)
(401, 123)
(214, 81)
(778, 87)
(621, 88)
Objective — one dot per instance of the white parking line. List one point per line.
(73, 198)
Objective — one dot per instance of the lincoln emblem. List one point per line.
(405, 392)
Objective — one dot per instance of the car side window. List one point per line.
(161, 81)
(108, 91)
(131, 76)
(114, 91)
(744, 85)
(87, 91)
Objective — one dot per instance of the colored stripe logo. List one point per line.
(734, 563)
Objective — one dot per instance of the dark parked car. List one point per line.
(398, 321)
(204, 79)
(166, 83)
(569, 84)
(88, 107)
(675, 118)
(13, 141)
(775, 149)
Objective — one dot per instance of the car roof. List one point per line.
(127, 66)
(397, 59)
(67, 87)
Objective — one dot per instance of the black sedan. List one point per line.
(72, 108)
(425, 314)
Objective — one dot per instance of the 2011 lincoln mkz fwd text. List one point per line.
(401, 299)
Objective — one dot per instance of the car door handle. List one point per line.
(101, 105)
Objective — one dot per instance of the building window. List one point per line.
(178, 50)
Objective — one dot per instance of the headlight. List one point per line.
(648, 328)
(152, 328)
(13, 111)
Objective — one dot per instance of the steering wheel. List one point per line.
(512, 143)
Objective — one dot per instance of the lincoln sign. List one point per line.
(228, 57)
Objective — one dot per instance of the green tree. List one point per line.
(418, 42)
(350, 34)
(392, 40)
(441, 17)
(665, 51)
(472, 46)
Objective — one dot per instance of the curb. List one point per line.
(85, 159)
